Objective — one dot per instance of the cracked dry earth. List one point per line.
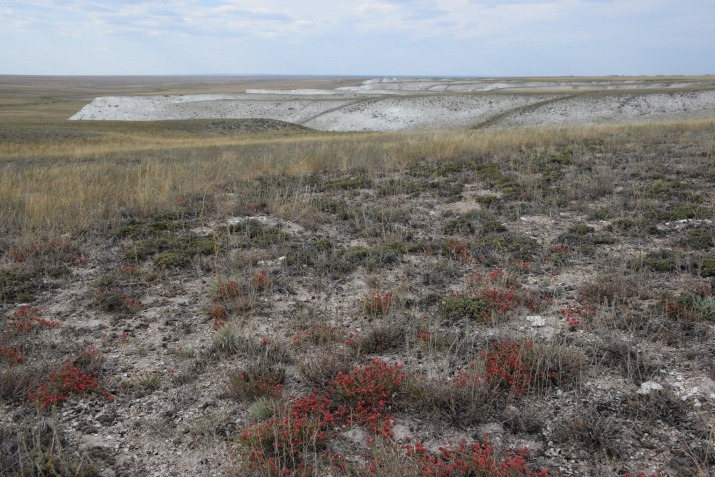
(430, 268)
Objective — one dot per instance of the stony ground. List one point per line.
(559, 300)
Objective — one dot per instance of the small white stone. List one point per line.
(649, 386)
(536, 320)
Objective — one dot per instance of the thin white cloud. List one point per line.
(369, 33)
(281, 18)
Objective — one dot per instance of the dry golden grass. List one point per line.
(58, 176)
(60, 186)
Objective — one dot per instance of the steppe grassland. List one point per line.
(416, 239)
(142, 168)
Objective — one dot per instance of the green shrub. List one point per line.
(700, 238)
(137, 229)
(262, 409)
(394, 247)
(175, 251)
(460, 226)
(664, 186)
(251, 233)
(658, 261)
(356, 254)
(60, 270)
(398, 186)
(16, 287)
(449, 168)
(338, 262)
(602, 239)
(707, 266)
(473, 308)
(522, 247)
(581, 229)
(486, 200)
(602, 213)
(623, 225)
(492, 227)
(106, 280)
(359, 182)
(447, 188)
(681, 211)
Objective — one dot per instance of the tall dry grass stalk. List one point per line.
(65, 186)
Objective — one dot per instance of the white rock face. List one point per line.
(618, 108)
(397, 104)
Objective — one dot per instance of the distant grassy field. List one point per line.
(33, 99)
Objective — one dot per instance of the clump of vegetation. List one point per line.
(139, 229)
(251, 233)
(397, 187)
(115, 300)
(679, 211)
(707, 266)
(662, 260)
(700, 238)
(521, 247)
(468, 223)
(39, 448)
(486, 200)
(358, 182)
(460, 226)
(696, 305)
(600, 213)
(258, 380)
(491, 173)
(623, 225)
(475, 308)
(582, 238)
(577, 235)
(435, 168)
(173, 251)
(16, 287)
(321, 256)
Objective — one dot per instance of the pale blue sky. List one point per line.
(358, 37)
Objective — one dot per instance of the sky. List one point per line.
(358, 37)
